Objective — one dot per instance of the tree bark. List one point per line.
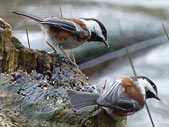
(33, 88)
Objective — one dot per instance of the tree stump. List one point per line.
(33, 88)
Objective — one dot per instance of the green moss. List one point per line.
(16, 43)
(27, 59)
(12, 60)
(121, 123)
(99, 118)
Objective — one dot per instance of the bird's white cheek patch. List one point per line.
(144, 84)
(93, 26)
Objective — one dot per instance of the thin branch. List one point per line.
(127, 50)
(51, 46)
(133, 68)
(105, 83)
(165, 30)
(26, 29)
(59, 3)
(151, 119)
(73, 55)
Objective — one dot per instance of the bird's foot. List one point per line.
(74, 64)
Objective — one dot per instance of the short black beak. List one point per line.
(105, 42)
(157, 98)
(149, 94)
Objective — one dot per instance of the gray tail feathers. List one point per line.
(82, 99)
(37, 19)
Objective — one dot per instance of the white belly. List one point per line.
(65, 44)
(69, 43)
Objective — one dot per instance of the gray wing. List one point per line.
(115, 98)
(58, 23)
(65, 25)
(61, 24)
(54, 22)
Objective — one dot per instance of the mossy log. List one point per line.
(33, 88)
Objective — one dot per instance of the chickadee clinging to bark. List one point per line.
(124, 97)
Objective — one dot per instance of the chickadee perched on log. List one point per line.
(69, 33)
(124, 97)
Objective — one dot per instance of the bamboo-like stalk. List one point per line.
(59, 3)
(73, 56)
(26, 29)
(105, 83)
(133, 68)
(165, 30)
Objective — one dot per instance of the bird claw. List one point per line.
(74, 64)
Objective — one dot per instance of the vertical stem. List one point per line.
(27, 33)
(59, 3)
(127, 50)
(133, 68)
(130, 58)
(105, 83)
(51, 46)
(73, 55)
(151, 119)
(166, 33)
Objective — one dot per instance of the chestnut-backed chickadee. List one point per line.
(124, 97)
(69, 33)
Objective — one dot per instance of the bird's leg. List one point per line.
(61, 49)
(73, 55)
(68, 54)
(51, 46)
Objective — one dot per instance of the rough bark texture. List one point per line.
(33, 88)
